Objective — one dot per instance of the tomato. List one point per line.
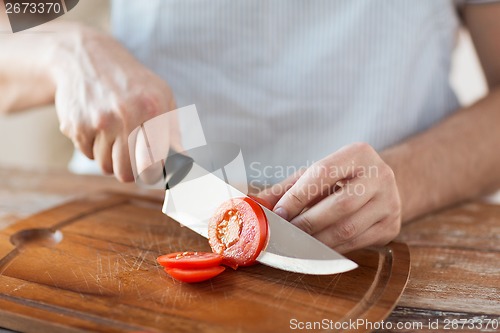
(238, 231)
(194, 275)
(190, 260)
(192, 266)
(263, 202)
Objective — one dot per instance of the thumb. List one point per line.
(274, 193)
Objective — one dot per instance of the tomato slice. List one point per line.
(188, 260)
(194, 275)
(238, 231)
(263, 202)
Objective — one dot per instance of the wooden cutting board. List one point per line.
(89, 265)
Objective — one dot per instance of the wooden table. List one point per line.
(455, 254)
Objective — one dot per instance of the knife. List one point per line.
(193, 195)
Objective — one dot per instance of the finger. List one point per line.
(103, 145)
(276, 191)
(379, 234)
(352, 226)
(82, 137)
(77, 131)
(143, 154)
(84, 142)
(302, 193)
(354, 195)
(148, 170)
(121, 160)
(320, 179)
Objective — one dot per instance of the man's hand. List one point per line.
(102, 94)
(348, 200)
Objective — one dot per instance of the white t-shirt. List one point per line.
(291, 81)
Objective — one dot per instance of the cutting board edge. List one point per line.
(119, 198)
(390, 295)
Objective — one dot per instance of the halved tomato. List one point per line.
(194, 275)
(190, 260)
(263, 202)
(238, 231)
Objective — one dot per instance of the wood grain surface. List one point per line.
(455, 273)
(89, 265)
(455, 253)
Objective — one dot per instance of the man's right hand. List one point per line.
(102, 94)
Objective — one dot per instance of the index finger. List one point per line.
(275, 192)
(314, 183)
(320, 179)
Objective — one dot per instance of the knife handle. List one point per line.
(176, 167)
(166, 173)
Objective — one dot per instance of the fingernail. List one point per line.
(281, 212)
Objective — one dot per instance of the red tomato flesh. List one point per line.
(187, 260)
(263, 202)
(194, 275)
(238, 231)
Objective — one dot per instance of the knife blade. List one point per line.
(194, 200)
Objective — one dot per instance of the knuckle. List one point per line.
(345, 204)
(104, 121)
(296, 200)
(362, 147)
(150, 104)
(346, 231)
(386, 173)
(304, 223)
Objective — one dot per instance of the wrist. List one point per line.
(25, 74)
(399, 159)
(64, 48)
(60, 51)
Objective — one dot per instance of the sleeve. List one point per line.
(461, 3)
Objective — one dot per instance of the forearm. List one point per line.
(27, 61)
(456, 160)
(24, 79)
